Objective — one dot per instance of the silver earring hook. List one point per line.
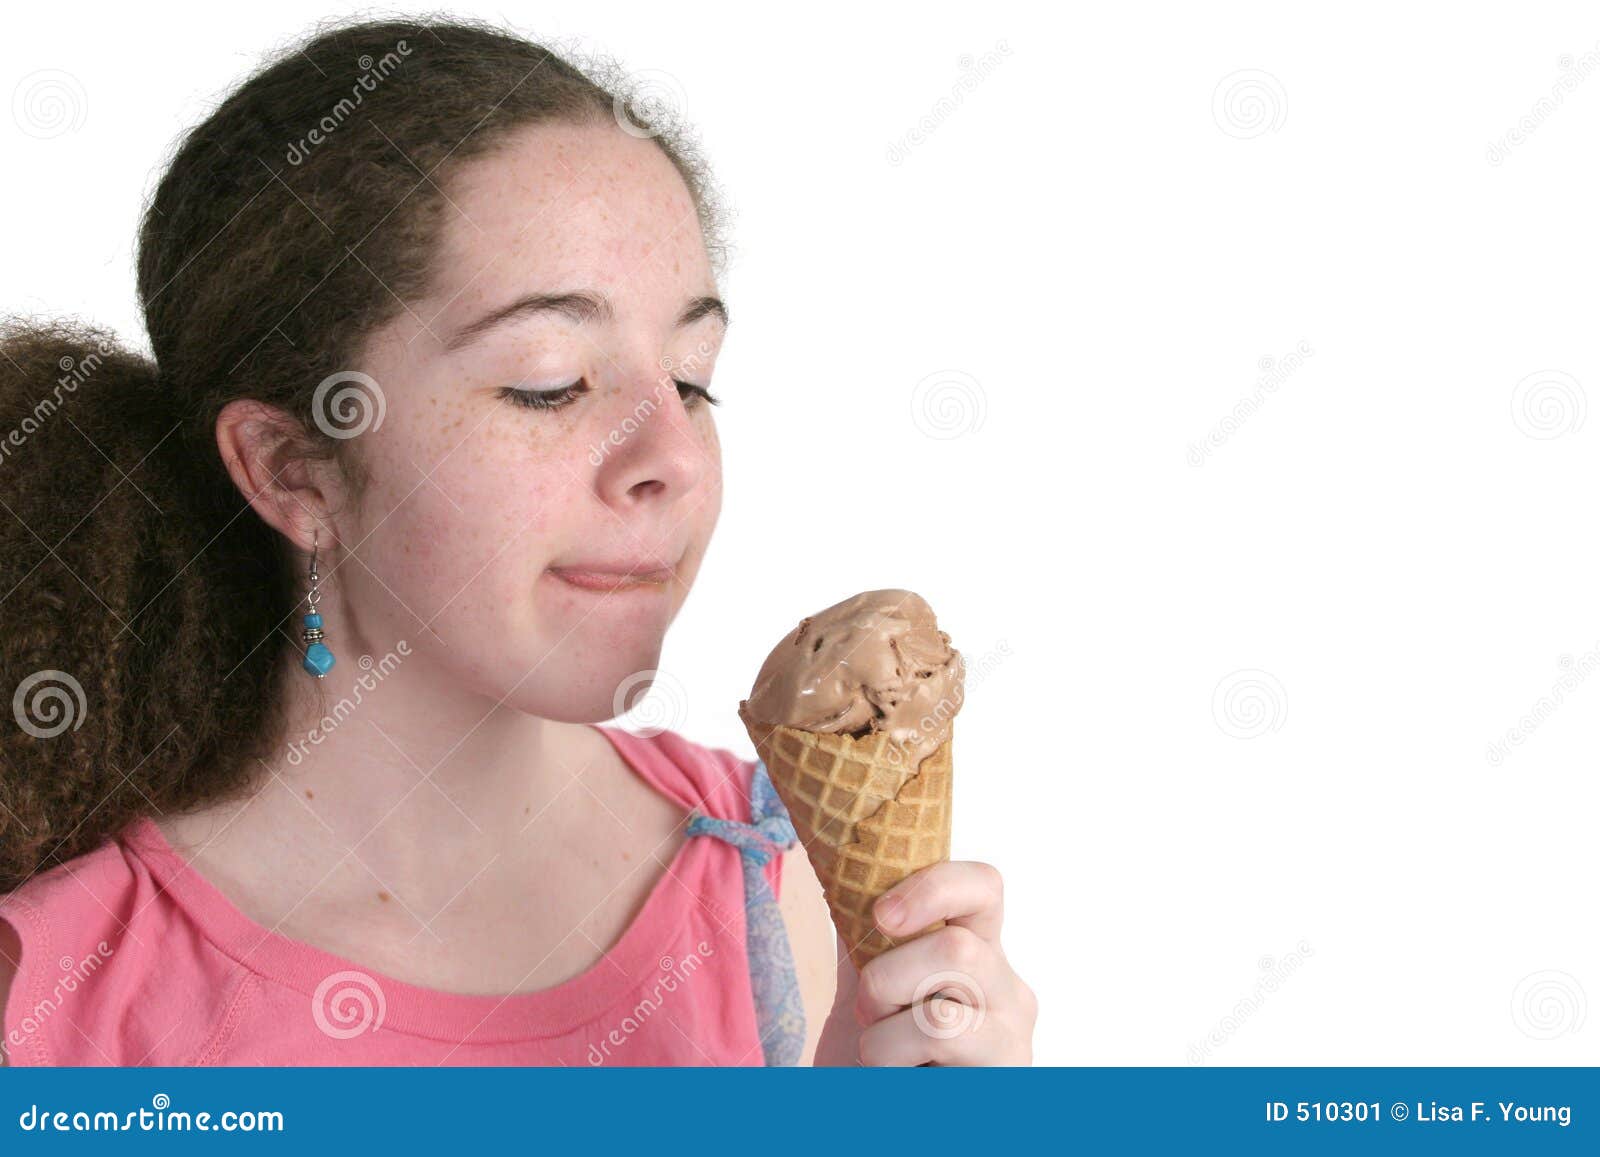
(315, 593)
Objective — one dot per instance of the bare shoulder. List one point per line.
(812, 939)
(10, 960)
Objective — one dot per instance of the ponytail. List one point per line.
(135, 626)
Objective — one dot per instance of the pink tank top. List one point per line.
(130, 957)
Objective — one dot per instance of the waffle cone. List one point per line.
(866, 814)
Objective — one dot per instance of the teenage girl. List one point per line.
(308, 621)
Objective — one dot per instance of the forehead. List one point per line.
(559, 207)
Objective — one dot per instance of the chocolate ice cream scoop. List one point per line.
(875, 662)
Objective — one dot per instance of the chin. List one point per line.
(570, 710)
(588, 680)
(567, 706)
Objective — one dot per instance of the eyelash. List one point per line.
(560, 398)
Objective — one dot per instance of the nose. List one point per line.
(651, 449)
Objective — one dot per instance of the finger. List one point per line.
(840, 1040)
(964, 892)
(953, 960)
(846, 978)
(938, 1031)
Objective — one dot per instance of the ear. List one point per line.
(265, 451)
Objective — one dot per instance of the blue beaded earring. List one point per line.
(318, 660)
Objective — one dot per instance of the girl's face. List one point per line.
(535, 446)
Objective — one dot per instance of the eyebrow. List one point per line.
(577, 307)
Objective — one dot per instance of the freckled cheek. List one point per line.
(465, 509)
(480, 514)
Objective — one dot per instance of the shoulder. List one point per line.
(722, 784)
(56, 932)
(10, 953)
(700, 779)
(107, 967)
(712, 780)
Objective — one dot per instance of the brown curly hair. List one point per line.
(142, 602)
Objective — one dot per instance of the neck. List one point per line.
(382, 773)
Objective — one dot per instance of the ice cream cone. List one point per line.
(867, 814)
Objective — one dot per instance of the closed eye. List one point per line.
(545, 399)
(689, 391)
(564, 396)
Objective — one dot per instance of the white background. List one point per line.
(1034, 321)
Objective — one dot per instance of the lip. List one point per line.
(614, 577)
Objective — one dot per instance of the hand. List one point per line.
(947, 998)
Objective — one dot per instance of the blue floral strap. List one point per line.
(780, 1017)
